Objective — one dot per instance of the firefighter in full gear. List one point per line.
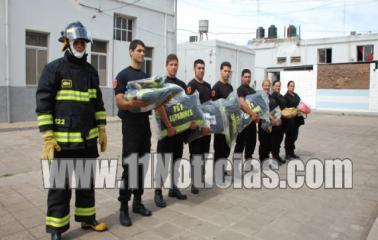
(72, 119)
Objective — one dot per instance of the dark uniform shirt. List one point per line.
(292, 101)
(221, 90)
(123, 77)
(245, 90)
(204, 90)
(176, 81)
(279, 99)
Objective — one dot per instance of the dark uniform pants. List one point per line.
(173, 145)
(136, 138)
(200, 146)
(58, 200)
(221, 148)
(277, 137)
(291, 135)
(265, 143)
(246, 141)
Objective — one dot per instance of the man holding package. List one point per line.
(221, 90)
(136, 131)
(173, 143)
(200, 146)
(246, 140)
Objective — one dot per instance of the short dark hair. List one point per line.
(134, 44)
(225, 64)
(245, 71)
(276, 81)
(291, 81)
(198, 61)
(171, 57)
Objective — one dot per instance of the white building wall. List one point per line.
(305, 84)
(188, 53)
(373, 94)
(2, 43)
(214, 53)
(154, 23)
(149, 26)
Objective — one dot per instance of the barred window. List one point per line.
(123, 28)
(99, 58)
(36, 44)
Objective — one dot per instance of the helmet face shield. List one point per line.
(75, 33)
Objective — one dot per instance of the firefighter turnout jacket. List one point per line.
(69, 102)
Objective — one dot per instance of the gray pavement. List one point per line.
(260, 214)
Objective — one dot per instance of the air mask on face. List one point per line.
(74, 52)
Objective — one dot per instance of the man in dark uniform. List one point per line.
(200, 146)
(71, 117)
(222, 89)
(173, 143)
(247, 138)
(136, 131)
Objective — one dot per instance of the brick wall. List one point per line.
(343, 76)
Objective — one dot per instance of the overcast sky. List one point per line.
(236, 20)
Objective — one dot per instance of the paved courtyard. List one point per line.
(259, 214)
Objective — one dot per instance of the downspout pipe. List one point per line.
(7, 80)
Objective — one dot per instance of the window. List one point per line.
(147, 65)
(98, 59)
(36, 55)
(281, 60)
(123, 28)
(325, 55)
(365, 53)
(295, 59)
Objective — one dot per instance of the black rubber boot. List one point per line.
(124, 217)
(175, 192)
(139, 208)
(159, 200)
(56, 236)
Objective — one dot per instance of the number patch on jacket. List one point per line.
(60, 121)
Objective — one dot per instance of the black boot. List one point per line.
(124, 217)
(159, 200)
(139, 208)
(289, 156)
(56, 236)
(279, 159)
(295, 156)
(175, 192)
(194, 190)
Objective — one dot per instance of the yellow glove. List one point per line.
(102, 138)
(49, 144)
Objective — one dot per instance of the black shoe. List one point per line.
(141, 209)
(194, 190)
(159, 200)
(175, 192)
(293, 155)
(124, 217)
(279, 159)
(56, 236)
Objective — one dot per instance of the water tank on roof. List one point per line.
(291, 31)
(260, 33)
(272, 32)
(203, 26)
